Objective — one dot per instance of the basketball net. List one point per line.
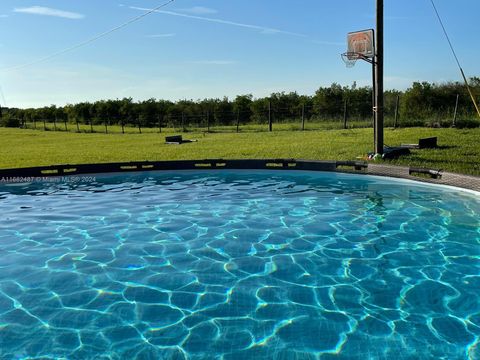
(350, 58)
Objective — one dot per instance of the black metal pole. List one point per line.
(374, 99)
(345, 113)
(379, 102)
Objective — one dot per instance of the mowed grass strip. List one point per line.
(459, 150)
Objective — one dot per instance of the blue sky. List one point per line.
(211, 48)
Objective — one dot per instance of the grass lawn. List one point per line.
(459, 149)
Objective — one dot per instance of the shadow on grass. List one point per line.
(445, 147)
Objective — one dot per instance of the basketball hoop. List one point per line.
(360, 47)
(350, 58)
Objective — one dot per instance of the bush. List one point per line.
(10, 122)
(412, 123)
(445, 123)
(467, 124)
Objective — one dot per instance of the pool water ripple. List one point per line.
(239, 265)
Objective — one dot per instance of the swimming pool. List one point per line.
(239, 265)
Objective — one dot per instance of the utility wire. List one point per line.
(89, 41)
(456, 57)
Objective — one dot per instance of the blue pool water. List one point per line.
(239, 265)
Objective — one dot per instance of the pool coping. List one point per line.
(423, 175)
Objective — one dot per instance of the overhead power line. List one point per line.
(456, 57)
(89, 41)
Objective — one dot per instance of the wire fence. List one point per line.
(336, 115)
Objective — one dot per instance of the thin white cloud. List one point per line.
(329, 43)
(199, 10)
(156, 36)
(45, 11)
(212, 62)
(262, 29)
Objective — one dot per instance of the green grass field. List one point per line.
(459, 149)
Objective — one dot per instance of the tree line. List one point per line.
(421, 102)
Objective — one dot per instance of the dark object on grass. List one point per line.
(395, 152)
(390, 153)
(177, 140)
(426, 143)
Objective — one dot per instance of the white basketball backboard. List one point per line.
(362, 43)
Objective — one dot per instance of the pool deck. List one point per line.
(432, 176)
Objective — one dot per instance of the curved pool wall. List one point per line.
(239, 265)
(435, 176)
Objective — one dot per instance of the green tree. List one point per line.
(241, 107)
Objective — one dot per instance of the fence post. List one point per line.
(183, 122)
(123, 125)
(456, 111)
(345, 113)
(139, 125)
(55, 123)
(78, 126)
(397, 109)
(160, 117)
(44, 125)
(303, 117)
(208, 120)
(106, 124)
(238, 120)
(270, 127)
